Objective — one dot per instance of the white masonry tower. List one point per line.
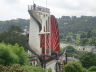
(39, 23)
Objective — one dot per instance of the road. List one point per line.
(51, 65)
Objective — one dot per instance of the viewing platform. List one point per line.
(38, 8)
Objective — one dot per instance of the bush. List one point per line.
(73, 67)
(84, 70)
(12, 54)
(19, 68)
(88, 59)
(92, 68)
(13, 68)
(49, 70)
(33, 69)
(70, 50)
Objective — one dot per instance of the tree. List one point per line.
(84, 41)
(69, 37)
(22, 23)
(73, 67)
(70, 50)
(79, 54)
(92, 41)
(14, 35)
(89, 34)
(77, 42)
(88, 59)
(92, 68)
(12, 54)
(83, 34)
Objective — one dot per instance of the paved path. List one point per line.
(51, 65)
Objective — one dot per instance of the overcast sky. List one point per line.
(12, 9)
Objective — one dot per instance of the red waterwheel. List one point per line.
(55, 44)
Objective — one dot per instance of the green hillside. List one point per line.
(66, 24)
(22, 23)
(76, 24)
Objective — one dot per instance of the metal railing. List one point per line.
(38, 8)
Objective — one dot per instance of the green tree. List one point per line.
(74, 67)
(70, 50)
(77, 42)
(12, 54)
(14, 35)
(83, 34)
(92, 41)
(92, 68)
(79, 54)
(88, 59)
(84, 41)
(69, 37)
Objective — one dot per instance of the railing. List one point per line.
(38, 8)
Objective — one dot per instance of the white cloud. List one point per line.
(10, 9)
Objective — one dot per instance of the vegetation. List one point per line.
(73, 27)
(74, 67)
(22, 23)
(78, 30)
(71, 51)
(92, 68)
(82, 38)
(13, 68)
(13, 58)
(79, 54)
(49, 70)
(33, 69)
(77, 67)
(12, 54)
(14, 35)
(19, 68)
(69, 27)
(88, 59)
(76, 24)
(87, 38)
(13, 43)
